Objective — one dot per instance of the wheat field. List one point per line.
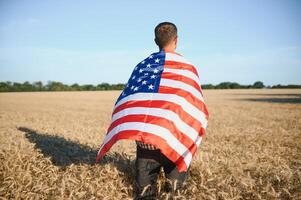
(49, 140)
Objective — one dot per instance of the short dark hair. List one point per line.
(164, 33)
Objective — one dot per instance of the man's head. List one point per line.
(166, 36)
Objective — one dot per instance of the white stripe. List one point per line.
(198, 142)
(176, 58)
(188, 107)
(184, 72)
(183, 86)
(164, 133)
(159, 112)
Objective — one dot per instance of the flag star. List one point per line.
(156, 71)
(141, 70)
(139, 80)
(145, 74)
(142, 62)
(151, 87)
(123, 94)
(132, 87)
(133, 77)
(136, 68)
(148, 65)
(157, 60)
(136, 88)
(151, 56)
(144, 82)
(153, 76)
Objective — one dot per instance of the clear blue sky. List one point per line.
(102, 41)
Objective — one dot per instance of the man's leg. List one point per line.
(147, 171)
(175, 179)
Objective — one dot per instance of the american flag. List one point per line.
(162, 105)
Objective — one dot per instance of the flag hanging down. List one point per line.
(162, 105)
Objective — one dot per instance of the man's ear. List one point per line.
(176, 40)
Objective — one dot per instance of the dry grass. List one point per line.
(49, 142)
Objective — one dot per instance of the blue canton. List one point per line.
(146, 76)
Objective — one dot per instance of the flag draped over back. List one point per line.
(162, 104)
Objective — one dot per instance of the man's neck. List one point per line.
(168, 49)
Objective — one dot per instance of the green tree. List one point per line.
(4, 87)
(88, 87)
(75, 87)
(119, 86)
(55, 86)
(27, 86)
(38, 86)
(258, 84)
(208, 86)
(103, 86)
(17, 87)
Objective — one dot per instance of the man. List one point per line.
(163, 109)
(149, 159)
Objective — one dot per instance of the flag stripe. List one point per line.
(187, 95)
(132, 135)
(161, 113)
(183, 86)
(198, 142)
(164, 133)
(177, 65)
(188, 119)
(189, 108)
(183, 72)
(184, 79)
(176, 58)
(165, 123)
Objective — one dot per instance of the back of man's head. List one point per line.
(165, 32)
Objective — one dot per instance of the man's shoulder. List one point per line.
(153, 57)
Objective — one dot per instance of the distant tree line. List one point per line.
(256, 85)
(58, 86)
(55, 86)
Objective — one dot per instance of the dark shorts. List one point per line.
(148, 166)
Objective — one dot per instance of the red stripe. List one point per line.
(187, 118)
(179, 65)
(151, 139)
(184, 79)
(160, 121)
(187, 95)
